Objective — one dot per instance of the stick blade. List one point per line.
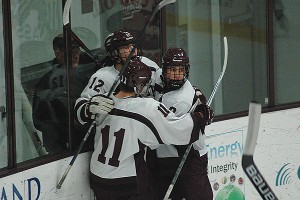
(66, 12)
(225, 53)
(253, 128)
(164, 3)
(249, 167)
(159, 6)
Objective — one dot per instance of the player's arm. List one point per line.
(199, 97)
(200, 105)
(169, 129)
(94, 87)
(157, 84)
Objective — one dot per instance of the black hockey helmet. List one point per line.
(175, 57)
(59, 42)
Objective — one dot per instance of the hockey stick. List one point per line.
(222, 72)
(187, 151)
(66, 22)
(248, 164)
(85, 48)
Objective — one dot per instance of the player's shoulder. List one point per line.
(149, 108)
(186, 88)
(184, 94)
(189, 86)
(139, 105)
(146, 100)
(197, 90)
(105, 71)
(147, 103)
(149, 62)
(159, 71)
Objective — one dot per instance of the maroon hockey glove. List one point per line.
(206, 111)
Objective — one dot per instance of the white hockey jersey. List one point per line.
(100, 83)
(120, 141)
(180, 101)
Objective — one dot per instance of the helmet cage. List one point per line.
(142, 89)
(172, 58)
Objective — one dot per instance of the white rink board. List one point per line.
(276, 155)
(40, 182)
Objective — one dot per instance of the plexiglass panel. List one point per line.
(199, 27)
(3, 130)
(35, 24)
(287, 48)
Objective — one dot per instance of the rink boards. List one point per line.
(276, 155)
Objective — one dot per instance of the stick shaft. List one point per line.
(82, 45)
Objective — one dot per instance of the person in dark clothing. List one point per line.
(50, 100)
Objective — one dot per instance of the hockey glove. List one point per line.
(100, 106)
(200, 96)
(207, 113)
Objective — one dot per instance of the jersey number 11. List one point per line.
(113, 161)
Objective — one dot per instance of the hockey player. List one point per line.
(177, 93)
(118, 168)
(118, 44)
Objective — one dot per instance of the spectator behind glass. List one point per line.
(59, 51)
(50, 104)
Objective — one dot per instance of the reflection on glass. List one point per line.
(50, 99)
(199, 27)
(3, 130)
(41, 91)
(35, 25)
(286, 48)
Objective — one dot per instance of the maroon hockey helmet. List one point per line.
(108, 44)
(175, 57)
(137, 75)
(123, 38)
(116, 40)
